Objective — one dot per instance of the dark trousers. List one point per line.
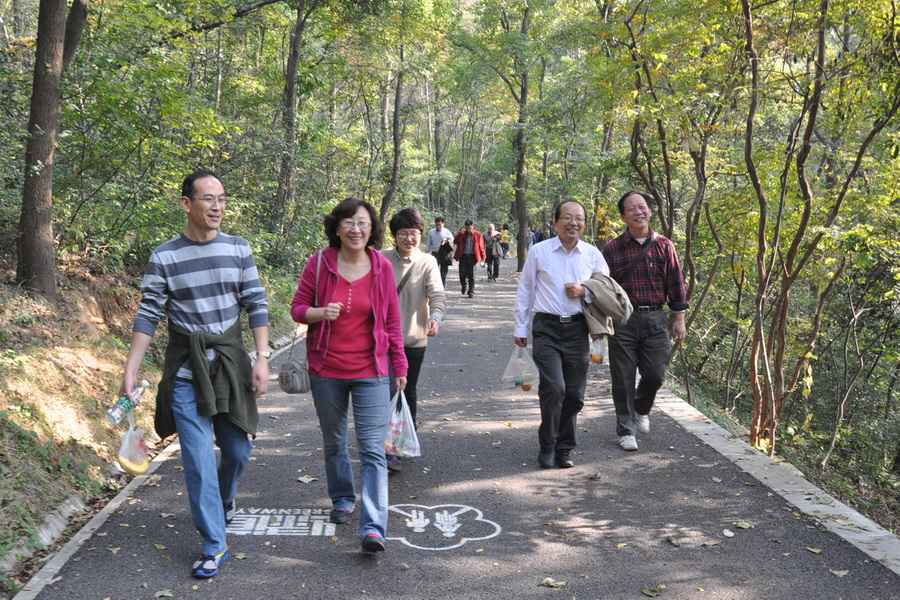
(561, 355)
(414, 356)
(640, 345)
(493, 267)
(444, 268)
(467, 264)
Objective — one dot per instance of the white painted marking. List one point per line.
(312, 522)
(442, 527)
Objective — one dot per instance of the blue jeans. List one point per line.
(208, 487)
(371, 414)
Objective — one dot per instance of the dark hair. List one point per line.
(345, 210)
(506, 226)
(439, 220)
(468, 222)
(621, 203)
(408, 218)
(557, 211)
(188, 187)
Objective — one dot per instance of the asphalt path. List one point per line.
(475, 517)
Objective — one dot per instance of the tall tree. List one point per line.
(58, 38)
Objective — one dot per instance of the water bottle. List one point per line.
(117, 411)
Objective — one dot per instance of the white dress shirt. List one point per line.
(435, 238)
(548, 268)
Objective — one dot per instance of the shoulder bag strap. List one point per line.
(404, 280)
(315, 300)
(646, 249)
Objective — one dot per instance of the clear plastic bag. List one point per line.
(598, 350)
(402, 439)
(133, 452)
(520, 370)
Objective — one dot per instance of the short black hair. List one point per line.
(408, 218)
(188, 186)
(621, 203)
(557, 211)
(345, 210)
(439, 220)
(468, 222)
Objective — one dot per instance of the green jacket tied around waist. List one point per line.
(222, 386)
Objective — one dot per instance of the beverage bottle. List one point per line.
(117, 411)
(598, 350)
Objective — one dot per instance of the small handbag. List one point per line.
(293, 377)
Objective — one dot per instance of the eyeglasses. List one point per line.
(571, 219)
(407, 235)
(210, 199)
(361, 225)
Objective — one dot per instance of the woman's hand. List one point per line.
(401, 383)
(331, 311)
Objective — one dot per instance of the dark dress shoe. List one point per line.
(546, 460)
(564, 461)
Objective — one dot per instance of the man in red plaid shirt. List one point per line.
(643, 343)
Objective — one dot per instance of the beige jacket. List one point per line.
(608, 302)
(422, 297)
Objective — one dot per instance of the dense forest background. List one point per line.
(767, 135)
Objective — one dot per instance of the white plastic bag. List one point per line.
(598, 350)
(520, 370)
(133, 453)
(402, 439)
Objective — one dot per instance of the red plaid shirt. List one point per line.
(658, 279)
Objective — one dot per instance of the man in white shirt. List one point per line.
(438, 237)
(551, 285)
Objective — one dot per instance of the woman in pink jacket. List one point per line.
(347, 297)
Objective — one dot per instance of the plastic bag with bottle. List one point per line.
(133, 456)
(402, 439)
(520, 370)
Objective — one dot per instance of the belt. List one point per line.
(561, 318)
(648, 308)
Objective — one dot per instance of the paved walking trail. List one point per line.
(695, 510)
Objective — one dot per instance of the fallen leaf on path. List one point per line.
(240, 556)
(159, 546)
(674, 542)
(163, 594)
(815, 550)
(654, 591)
(306, 479)
(167, 515)
(839, 573)
(727, 533)
(712, 543)
(743, 525)
(621, 545)
(552, 583)
(114, 550)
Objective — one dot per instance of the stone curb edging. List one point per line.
(788, 482)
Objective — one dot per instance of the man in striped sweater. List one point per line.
(201, 280)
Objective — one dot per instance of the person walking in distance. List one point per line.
(551, 285)
(469, 252)
(493, 251)
(440, 244)
(646, 265)
(202, 280)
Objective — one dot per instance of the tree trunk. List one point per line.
(57, 40)
(397, 131)
(287, 181)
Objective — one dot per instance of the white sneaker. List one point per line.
(643, 423)
(627, 442)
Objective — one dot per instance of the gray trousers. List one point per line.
(561, 355)
(640, 345)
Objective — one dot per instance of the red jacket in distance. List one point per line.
(477, 244)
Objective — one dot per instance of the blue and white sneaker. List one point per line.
(208, 565)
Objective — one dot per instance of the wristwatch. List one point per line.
(266, 354)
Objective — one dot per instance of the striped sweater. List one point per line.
(201, 286)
